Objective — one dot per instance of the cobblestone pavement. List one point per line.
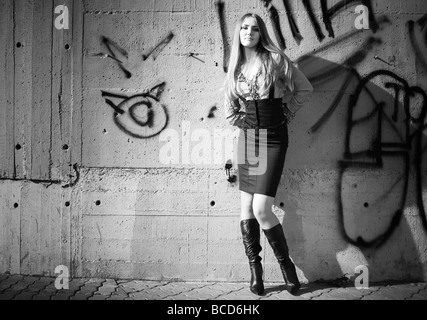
(18, 287)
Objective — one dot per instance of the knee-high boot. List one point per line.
(277, 240)
(251, 240)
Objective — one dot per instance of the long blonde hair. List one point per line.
(265, 49)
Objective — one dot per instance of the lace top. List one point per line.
(253, 84)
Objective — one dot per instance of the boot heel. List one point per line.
(291, 279)
(257, 284)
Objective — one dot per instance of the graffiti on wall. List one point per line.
(141, 115)
(405, 124)
(116, 53)
(405, 121)
(408, 148)
(159, 47)
(410, 145)
(220, 7)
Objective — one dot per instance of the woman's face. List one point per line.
(249, 33)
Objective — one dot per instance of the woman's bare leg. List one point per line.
(246, 211)
(262, 210)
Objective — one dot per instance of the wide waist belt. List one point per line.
(256, 126)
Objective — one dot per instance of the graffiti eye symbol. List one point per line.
(140, 116)
(142, 113)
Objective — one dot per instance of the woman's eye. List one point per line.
(253, 29)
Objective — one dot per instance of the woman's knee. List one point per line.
(261, 214)
(262, 208)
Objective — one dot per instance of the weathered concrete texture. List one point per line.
(89, 115)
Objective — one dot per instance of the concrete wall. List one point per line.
(88, 114)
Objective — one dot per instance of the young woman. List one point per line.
(260, 81)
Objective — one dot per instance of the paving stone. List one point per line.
(51, 288)
(156, 293)
(98, 297)
(172, 289)
(228, 287)
(315, 293)
(108, 287)
(210, 293)
(76, 284)
(343, 294)
(19, 286)
(418, 296)
(36, 287)
(3, 277)
(118, 297)
(375, 296)
(181, 288)
(118, 294)
(43, 295)
(46, 280)
(396, 293)
(241, 294)
(284, 296)
(110, 282)
(81, 296)
(15, 277)
(421, 294)
(88, 289)
(22, 284)
(8, 294)
(106, 290)
(135, 286)
(400, 292)
(329, 296)
(30, 279)
(9, 282)
(188, 295)
(25, 296)
(144, 295)
(63, 295)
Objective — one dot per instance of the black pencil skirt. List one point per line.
(262, 146)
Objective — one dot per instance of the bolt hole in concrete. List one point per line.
(67, 47)
(366, 204)
(18, 44)
(212, 203)
(65, 147)
(281, 204)
(97, 202)
(15, 205)
(67, 203)
(18, 147)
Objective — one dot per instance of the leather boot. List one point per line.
(277, 240)
(251, 238)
